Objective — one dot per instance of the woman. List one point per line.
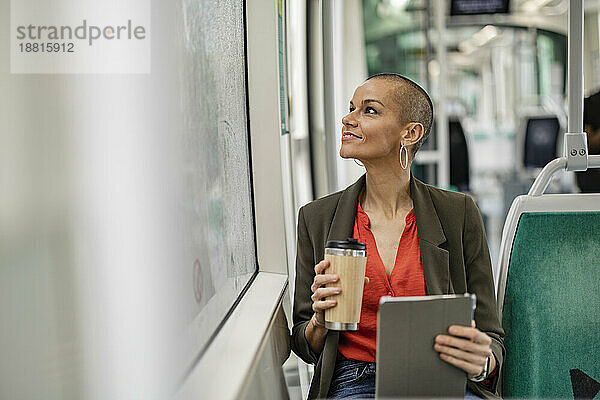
(420, 241)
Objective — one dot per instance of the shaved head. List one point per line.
(413, 101)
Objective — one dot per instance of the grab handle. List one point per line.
(543, 179)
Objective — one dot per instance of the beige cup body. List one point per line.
(351, 271)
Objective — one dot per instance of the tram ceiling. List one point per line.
(394, 16)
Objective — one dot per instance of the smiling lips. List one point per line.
(347, 135)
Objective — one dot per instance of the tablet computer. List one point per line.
(407, 363)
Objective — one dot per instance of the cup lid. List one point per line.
(350, 243)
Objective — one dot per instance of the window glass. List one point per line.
(217, 197)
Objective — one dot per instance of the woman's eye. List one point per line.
(370, 110)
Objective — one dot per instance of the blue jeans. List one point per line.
(356, 380)
(352, 380)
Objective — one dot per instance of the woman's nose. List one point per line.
(348, 119)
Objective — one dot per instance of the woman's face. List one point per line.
(372, 130)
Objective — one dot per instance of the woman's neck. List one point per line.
(387, 191)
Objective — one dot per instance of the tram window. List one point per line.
(541, 138)
(217, 199)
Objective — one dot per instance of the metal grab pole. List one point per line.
(543, 179)
(441, 131)
(329, 95)
(575, 67)
(576, 150)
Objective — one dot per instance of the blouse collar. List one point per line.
(363, 217)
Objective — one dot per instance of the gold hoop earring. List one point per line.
(404, 166)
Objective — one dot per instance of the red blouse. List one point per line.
(406, 279)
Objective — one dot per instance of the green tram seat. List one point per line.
(548, 287)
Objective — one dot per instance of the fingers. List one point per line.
(320, 267)
(472, 334)
(477, 359)
(323, 292)
(322, 305)
(466, 348)
(321, 280)
(320, 293)
(320, 301)
(464, 345)
(469, 368)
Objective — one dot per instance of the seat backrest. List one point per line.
(549, 295)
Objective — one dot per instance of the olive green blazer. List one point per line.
(454, 254)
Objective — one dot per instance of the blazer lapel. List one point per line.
(431, 235)
(342, 226)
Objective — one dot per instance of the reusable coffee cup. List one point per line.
(348, 260)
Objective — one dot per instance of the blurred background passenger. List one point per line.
(589, 181)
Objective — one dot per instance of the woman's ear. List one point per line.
(413, 132)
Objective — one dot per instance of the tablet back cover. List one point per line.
(407, 363)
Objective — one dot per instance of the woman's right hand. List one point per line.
(320, 292)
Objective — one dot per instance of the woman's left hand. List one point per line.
(466, 348)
